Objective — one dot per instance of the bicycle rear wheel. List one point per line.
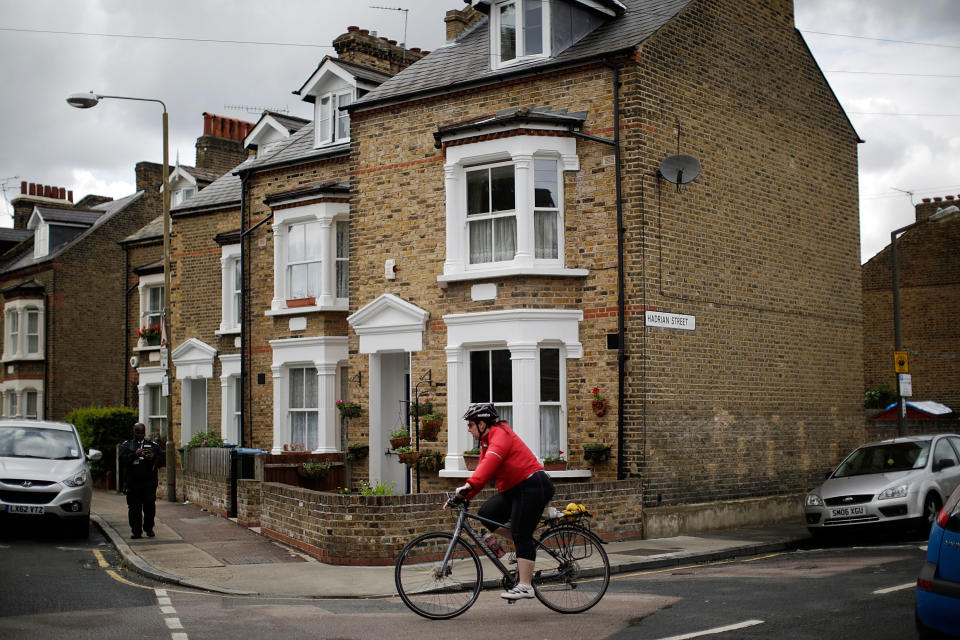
(572, 571)
(430, 588)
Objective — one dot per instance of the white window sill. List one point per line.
(233, 331)
(294, 311)
(570, 474)
(505, 272)
(16, 358)
(152, 347)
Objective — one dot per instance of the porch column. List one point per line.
(281, 432)
(455, 260)
(526, 417)
(458, 438)
(328, 270)
(327, 423)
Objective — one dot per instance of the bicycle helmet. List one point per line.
(482, 411)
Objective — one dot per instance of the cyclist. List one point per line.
(525, 488)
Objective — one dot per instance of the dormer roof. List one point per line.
(466, 62)
(272, 125)
(348, 72)
(63, 217)
(608, 7)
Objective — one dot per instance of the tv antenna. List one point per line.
(403, 45)
(909, 193)
(255, 109)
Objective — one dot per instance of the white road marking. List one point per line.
(715, 630)
(178, 636)
(168, 611)
(164, 602)
(173, 623)
(909, 585)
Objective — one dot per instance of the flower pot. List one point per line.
(396, 443)
(430, 462)
(599, 407)
(471, 460)
(409, 457)
(349, 410)
(555, 466)
(430, 429)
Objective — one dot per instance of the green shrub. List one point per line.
(205, 439)
(104, 429)
(879, 396)
(380, 489)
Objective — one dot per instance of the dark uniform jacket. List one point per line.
(140, 471)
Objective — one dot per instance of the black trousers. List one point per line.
(141, 507)
(522, 505)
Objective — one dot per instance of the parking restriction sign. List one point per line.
(900, 362)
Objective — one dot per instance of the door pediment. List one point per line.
(389, 323)
(193, 359)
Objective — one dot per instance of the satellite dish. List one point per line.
(680, 169)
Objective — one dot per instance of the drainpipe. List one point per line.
(245, 387)
(621, 304)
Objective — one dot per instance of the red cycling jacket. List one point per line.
(504, 458)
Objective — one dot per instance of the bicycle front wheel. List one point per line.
(432, 588)
(572, 571)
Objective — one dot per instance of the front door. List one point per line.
(392, 386)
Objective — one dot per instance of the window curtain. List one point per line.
(303, 407)
(549, 431)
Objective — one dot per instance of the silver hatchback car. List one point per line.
(44, 472)
(899, 480)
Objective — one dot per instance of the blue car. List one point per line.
(938, 587)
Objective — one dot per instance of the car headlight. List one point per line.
(813, 500)
(77, 479)
(893, 492)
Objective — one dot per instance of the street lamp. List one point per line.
(86, 101)
(941, 215)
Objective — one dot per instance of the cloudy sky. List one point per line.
(893, 65)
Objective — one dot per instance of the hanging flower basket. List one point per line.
(599, 403)
(396, 443)
(595, 453)
(311, 469)
(358, 451)
(430, 426)
(407, 457)
(349, 409)
(430, 461)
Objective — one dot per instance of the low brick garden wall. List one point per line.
(212, 492)
(372, 530)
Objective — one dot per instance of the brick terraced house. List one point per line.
(489, 222)
(929, 299)
(61, 287)
(512, 236)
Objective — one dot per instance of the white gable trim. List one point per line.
(389, 323)
(177, 175)
(265, 127)
(194, 359)
(313, 87)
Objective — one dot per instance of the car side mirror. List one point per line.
(944, 464)
(93, 455)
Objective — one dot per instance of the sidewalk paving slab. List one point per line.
(198, 549)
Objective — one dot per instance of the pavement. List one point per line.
(202, 550)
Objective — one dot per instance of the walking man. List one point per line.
(140, 458)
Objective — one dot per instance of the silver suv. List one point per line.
(44, 472)
(903, 479)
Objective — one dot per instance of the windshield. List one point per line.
(31, 442)
(883, 458)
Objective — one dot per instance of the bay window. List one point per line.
(23, 330)
(505, 213)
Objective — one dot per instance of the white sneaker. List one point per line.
(518, 592)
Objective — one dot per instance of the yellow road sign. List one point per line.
(900, 362)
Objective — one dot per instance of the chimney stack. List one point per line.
(33, 194)
(364, 48)
(458, 21)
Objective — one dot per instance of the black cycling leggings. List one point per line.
(522, 505)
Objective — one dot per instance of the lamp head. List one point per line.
(945, 213)
(83, 100)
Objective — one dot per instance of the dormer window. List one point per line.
(333, 125)
(41, 241)
(181, 195)
(519, 30)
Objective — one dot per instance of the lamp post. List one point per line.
(86, 101)
(941, 215)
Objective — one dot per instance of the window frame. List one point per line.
(16, 335)
(147, 284)
(231, 283)
(327, 214)
(329, 117)
(524, 152)
(520, 33)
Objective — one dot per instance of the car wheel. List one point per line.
(931, 507)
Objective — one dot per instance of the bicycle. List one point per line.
(439, 576)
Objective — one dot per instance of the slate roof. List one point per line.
(206, 175)
(291, 123)
(359, 71)
(514, 115)
(298, 147)
(14, 235)
(466, 61)
(222, 192)
(100, 214)
(150, 231)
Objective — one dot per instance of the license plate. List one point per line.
(848, 511)
(25, 508)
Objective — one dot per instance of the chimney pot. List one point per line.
(353, 28)
(23, 187)
(46, 191)
(949, 197)
(392, 41)
(937, 199)
(33, 189)
(926, 199)
(364, 32)
(70, 196)
(63, 193)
